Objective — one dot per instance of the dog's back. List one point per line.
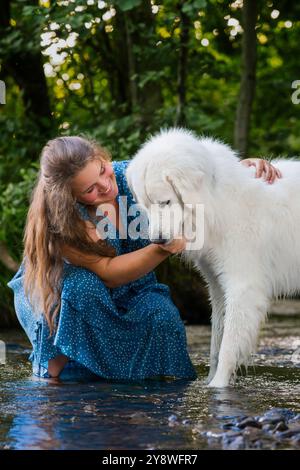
(257, 217)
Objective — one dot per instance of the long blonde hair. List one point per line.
(53, 219)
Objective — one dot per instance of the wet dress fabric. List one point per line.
(130, 332)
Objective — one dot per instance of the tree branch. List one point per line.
(247, 89)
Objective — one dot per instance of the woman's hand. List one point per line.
(177, 245)
(263, 168)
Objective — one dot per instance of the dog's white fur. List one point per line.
(251, 249)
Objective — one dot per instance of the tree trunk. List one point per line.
(180, 118)
(4, 13)
(35, 92)
(149, 95)
(122, 58)
(247, 89)
(26, 68)
(133, 91)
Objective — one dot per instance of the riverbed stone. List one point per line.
(249, 422)
(274, 428)
(235, 443)
(280, 426)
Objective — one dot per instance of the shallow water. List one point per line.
(35, 414)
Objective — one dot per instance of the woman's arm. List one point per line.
(263, 168)
(122, 269)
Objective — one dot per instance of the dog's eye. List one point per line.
(164, 203)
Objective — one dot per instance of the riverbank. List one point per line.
(158, 414)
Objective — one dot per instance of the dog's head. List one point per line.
(166, 179)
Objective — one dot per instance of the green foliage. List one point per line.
(126, 5)
(112, 74)
(14, 201)
(194, 6)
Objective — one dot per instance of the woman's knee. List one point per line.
(166, 316)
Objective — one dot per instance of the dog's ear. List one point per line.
(184, 186)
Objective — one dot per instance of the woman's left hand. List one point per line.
(263, 168)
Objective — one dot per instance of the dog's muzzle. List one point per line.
(159, 241)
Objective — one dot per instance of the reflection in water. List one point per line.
(227, 402)
(93, 416)
(36, 414)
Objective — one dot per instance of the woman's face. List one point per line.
(95, 184)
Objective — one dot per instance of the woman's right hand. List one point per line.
(177, 245)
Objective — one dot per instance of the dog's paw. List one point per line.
(218, 383)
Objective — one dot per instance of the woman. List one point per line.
(88, 304)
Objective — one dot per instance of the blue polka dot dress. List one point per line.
(131, 332)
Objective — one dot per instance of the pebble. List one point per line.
(281, 426)
(259, 432)
(173, 421)
(237, 444)
(295, 419)
(296, 441)
(213, 435)
(185, 422)
(289, 433)
(251, 422)
(253, 433)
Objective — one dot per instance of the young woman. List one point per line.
(91, 305)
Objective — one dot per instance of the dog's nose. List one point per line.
(159, 241)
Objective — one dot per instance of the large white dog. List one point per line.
(251, 249)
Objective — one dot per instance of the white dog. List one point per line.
(251, 249)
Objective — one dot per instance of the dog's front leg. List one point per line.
(217, 321)
(216, 296)
(246, 306)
